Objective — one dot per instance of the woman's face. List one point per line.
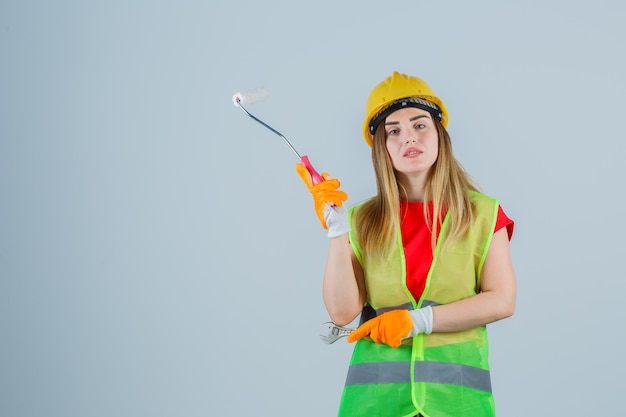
(412, 140)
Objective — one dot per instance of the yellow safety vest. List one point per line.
(437, 375)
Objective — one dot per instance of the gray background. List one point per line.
(159, 256)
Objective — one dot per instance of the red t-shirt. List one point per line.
(416, 238)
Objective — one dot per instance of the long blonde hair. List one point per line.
(447, 186)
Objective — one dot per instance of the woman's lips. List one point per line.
(412, 152)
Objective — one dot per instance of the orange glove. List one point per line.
(324, 192)
(388, 328)
(393, 326)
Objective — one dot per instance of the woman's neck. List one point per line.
(414, 186)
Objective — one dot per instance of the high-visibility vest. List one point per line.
(440, 374)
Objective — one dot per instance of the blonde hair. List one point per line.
(378, 219)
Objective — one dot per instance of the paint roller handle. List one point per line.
(316, 178)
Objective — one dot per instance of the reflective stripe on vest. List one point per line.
(437, 372)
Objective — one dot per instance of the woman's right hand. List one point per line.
(326, 195)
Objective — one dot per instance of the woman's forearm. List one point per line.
(478, 310)
(343, 290)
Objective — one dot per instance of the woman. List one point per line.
(425, 262)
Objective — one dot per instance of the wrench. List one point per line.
(334, 332)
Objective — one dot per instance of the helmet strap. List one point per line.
(403, 103)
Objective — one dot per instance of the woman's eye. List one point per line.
(420, 126)
(392, 132)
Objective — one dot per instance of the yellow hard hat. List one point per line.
(396, 92)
